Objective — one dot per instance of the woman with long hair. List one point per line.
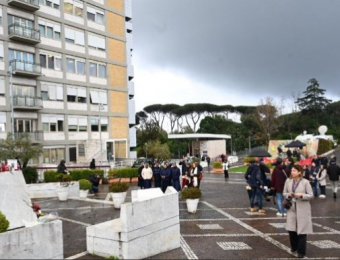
(298, 193)
(322, 180)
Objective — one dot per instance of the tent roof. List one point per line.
(198, 136)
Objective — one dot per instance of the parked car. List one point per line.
(140, 160)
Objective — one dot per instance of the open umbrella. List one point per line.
(296, 144)
(259, 153)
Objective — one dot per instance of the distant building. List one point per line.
(72, 77)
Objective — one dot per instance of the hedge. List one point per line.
(30, 174)
(4, 223)
(324, 146)
(85, 174)
(123, 173)
(53, 176)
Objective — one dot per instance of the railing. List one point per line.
(33, 136)
(25, 66)
(31, 2)
(19, 30)
(27, 101)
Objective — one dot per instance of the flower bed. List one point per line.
(124, 174)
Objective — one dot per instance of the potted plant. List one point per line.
(217, 167)
(192, 196)
(62, 191)
(84, 187)
(118, 192)
(4, 223)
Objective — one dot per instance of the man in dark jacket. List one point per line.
(175, 175)
(166, 177)
(333, 172)
(289, 153)
(278, 180)
(93, 164)
(157, 175)
(62, 167)
(94, 179)
(183, 163)
(254, 179)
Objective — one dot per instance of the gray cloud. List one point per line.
(254, 47)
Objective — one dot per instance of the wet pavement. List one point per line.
(222, 228)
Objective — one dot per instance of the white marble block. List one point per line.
(43, 241)
(49, 190)
(146, 227)
(15, 202)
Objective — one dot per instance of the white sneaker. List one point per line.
(285, 214)
(279, 214)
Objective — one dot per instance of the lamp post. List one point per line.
(11, 99)
(100, 107)
(231, 145)
(249, 144)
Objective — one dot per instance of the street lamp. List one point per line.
(100, 107)
(11, 98)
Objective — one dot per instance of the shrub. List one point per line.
(123, 173)
(191, 193)
(51, 176)
(324, 146)
(4, 223)
(118, 187)
(85, 174)
(217, 165)
(30, 174)
(85, 184)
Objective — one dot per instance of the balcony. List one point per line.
(24, 34)
(29, 5)
(131, 89)
(26, 102)
(25, 68)
(35, 137)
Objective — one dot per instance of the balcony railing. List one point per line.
(25, 68)
(27, 102)
(30, 5)
(22, 33)
(35, 136)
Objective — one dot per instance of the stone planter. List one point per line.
(62, 193)
(49, 190)
(118, 198)
(121, 180)
(192, 205)
(83, 194)
(217, 170)
(134, 179)
(43, 241)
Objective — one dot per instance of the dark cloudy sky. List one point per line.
(233, 51)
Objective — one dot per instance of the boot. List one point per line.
(334, 195)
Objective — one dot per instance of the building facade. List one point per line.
(68, 64)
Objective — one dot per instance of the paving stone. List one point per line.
(324, 244)
(209, 226)
(234, 246)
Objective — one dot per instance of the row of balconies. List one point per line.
(29, 5)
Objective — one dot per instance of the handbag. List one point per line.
(200, 176)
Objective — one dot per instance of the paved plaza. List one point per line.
(222, 228)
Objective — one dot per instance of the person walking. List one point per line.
(165, 176)
(208, 161)
(157, 175)
(278, 180)
(62, 167)
(140, 178)
(333, 171)
(314, 171)
(225, 166)
(183, 164)
(299, 216)
(254, 180)
(175, 175)
(93, 164)
(196, 174)
(321, 177)
(147, 176)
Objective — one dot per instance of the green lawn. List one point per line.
(241, 169)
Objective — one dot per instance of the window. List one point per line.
(97, 70)
(81, 150)
(77, 124)
(98, 97)
(75, 66)
(74, 36)
(22, 56)
(74, 7)
(50, 61)
(95, 15)
(0, 16)
(97, 123)
(50, 91)
(2, 122)
(49, 29)
(52, 123)
(20, 21)
(50, 3)
(96, 42)
(23, 91)
(54, 155)
(2, 86)
(1, 51)
(76, 94)
(24, 125)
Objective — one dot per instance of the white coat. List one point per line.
(147, 173)
(322, 178)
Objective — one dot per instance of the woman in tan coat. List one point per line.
(299, 216)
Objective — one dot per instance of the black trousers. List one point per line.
(226, 174)
(298, 242)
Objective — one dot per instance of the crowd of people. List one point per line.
(169, 174)
(293, 186)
